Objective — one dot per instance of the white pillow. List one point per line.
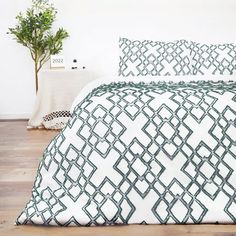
(143, 58)
(216, 59)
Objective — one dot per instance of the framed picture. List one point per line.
(57, 61)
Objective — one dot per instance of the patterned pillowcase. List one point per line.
(141, 58)
(216, 59)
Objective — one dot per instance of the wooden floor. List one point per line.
(20, 152)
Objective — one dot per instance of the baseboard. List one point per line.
(14, 116)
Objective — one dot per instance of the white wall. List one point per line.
(95, 26)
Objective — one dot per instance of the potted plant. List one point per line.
(34, 31)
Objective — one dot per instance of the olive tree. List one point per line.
(34, 31)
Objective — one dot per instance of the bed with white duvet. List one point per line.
(156, 150)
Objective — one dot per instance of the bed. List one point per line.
(159, 149)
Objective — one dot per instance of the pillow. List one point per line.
(216, 59)
(141, 58)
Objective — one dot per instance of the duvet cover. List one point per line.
(141, 152)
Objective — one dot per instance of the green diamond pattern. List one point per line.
(217, 59)
(128, 157)
(154, 58)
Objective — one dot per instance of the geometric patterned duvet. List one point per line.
(141, 153)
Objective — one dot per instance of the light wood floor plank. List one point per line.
(20, 154)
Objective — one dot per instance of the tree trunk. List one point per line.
(36, 75)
